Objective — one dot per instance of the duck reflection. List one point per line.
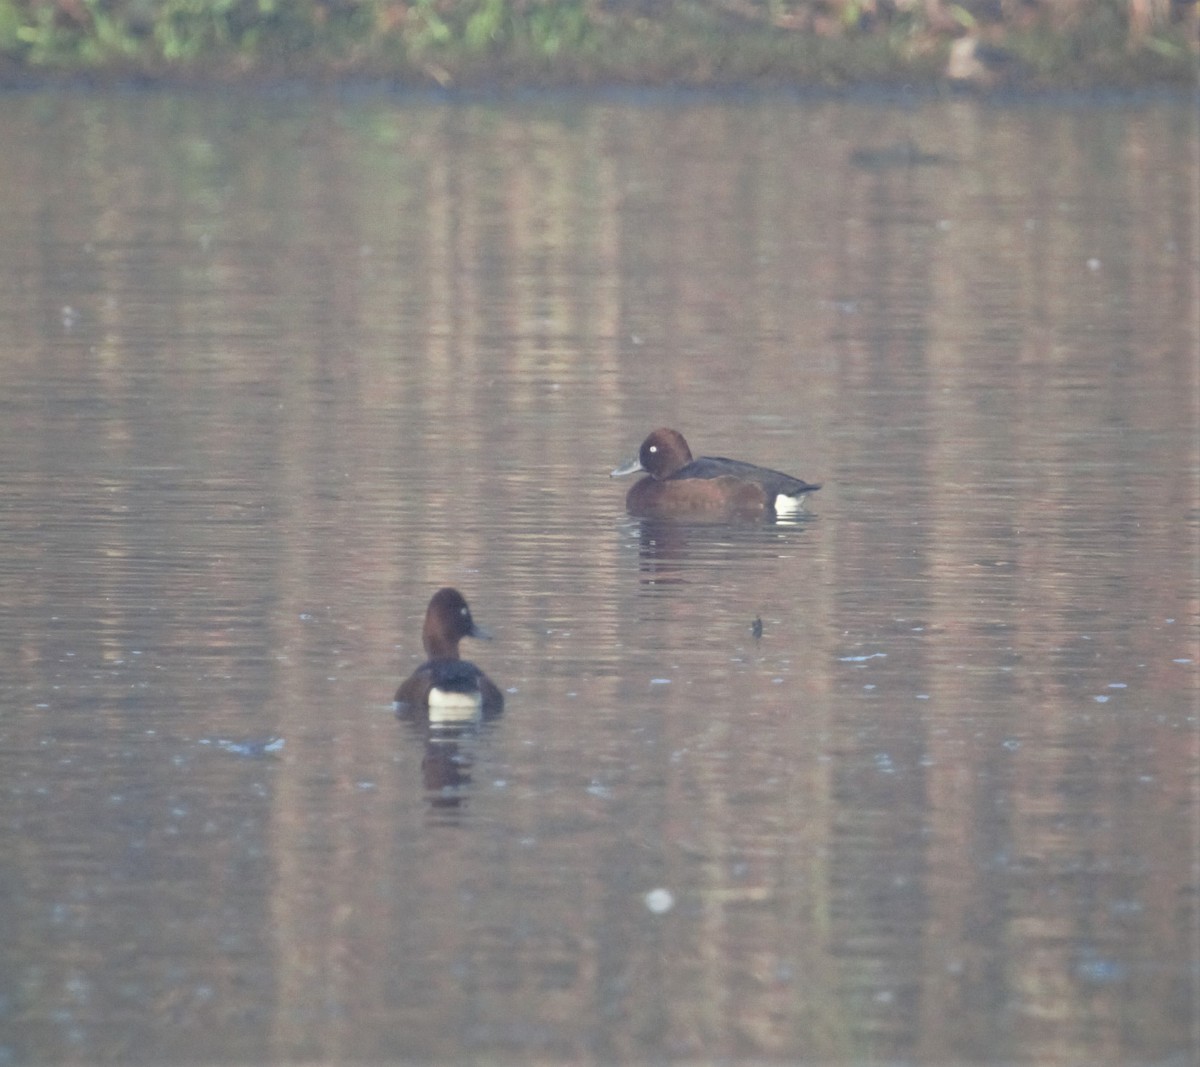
(675, 553)
(448, 757)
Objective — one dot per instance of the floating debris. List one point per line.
(904, 154)
(660, 901)
(254, 749)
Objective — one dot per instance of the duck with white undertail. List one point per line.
(446, 688)
(677, 486)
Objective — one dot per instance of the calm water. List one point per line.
(275, 369)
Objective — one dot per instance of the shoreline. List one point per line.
(352, 86)
(589, 45)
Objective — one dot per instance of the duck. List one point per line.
(446, 688)
(677, 486)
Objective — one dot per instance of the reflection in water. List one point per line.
(445, 770)
(901, 154)
(275, 368)
(448, 756)
(676, 553)
(446, 763)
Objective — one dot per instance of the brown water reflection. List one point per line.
(276, 369)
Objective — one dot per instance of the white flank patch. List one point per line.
(454, 707)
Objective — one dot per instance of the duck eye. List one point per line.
(654, 448)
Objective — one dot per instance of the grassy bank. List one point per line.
(1031, 43)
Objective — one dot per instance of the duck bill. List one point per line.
(482, 632)
(630, 467)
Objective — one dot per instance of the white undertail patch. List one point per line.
(789, 505)
(450, 707)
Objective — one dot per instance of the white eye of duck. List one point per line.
(654, 448)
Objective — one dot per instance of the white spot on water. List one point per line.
(660, 901)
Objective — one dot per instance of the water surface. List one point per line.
(276, 369)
